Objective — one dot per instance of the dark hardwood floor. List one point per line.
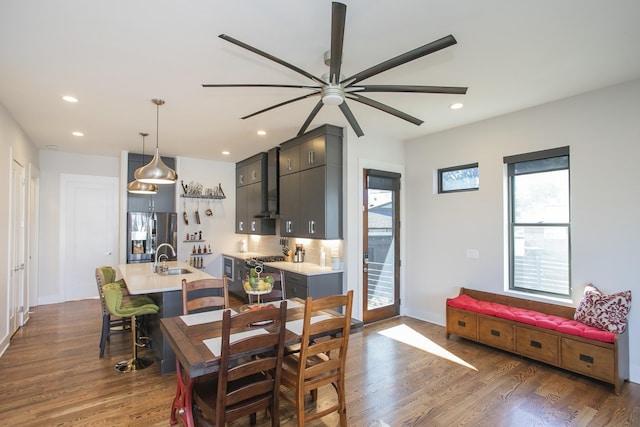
(51, 376)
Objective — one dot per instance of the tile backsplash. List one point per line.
(270, 245)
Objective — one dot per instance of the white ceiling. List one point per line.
(115, 56)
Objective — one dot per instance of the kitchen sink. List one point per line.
(175, 271)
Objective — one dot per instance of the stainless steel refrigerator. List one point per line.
(148, 230)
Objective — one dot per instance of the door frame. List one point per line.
(33, 236)
(17, 257)
(70, 184)
(381, 313)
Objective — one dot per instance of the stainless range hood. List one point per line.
(273, 189)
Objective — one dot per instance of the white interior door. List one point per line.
(88, 231)
(16, 285)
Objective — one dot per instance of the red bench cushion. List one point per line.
(530, 317)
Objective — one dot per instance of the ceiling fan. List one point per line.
(333, 89)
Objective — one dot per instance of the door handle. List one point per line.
(107, 253)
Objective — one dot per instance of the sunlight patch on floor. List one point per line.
(406, 335)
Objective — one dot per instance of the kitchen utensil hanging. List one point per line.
(198, 213)
(184, 214)
(209, 212)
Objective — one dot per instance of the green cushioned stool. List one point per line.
(113, 300)
(112, 325)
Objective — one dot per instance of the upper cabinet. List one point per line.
(163, 200)
(311, 184)
(250, 171)
(251, 196)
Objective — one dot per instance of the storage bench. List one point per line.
(540, 331)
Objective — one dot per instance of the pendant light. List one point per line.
(137, 187)
(156, 172)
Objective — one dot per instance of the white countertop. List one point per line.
(306, 268)
(141, 279)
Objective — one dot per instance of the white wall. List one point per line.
(14, 144)
(218, 229)
(52, 165)
(602, 130)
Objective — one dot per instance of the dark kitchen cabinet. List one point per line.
(235, 286)
(315, 286)
(163, 201)
(251, 196)
(311, 185)
(250, 171)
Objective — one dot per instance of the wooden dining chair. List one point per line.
(197, 296)
(277, 293)
(250, 369)
(320, 361)
(204, 294)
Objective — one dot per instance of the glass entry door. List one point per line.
(380, 258)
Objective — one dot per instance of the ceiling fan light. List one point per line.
(137, 187)
(332, 99)
(156, 172)
(332, 95)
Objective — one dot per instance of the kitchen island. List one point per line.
(166, 292)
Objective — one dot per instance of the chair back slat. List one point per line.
(198, 294)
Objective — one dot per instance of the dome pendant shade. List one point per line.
(156, 172)
(137, 187)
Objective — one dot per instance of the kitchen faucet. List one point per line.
(163, 267)
(155, 262)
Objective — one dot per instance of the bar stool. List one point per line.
(112, 325)
(113, 300)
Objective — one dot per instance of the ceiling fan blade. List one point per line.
(351, 119)
(454, 90)
(338, 16)
(383, 107)
(261, 85)
(281, 104)
(312, 116)
(402, 59)
(270, 57)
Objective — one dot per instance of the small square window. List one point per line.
(458, 178)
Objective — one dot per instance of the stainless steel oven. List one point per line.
(228, 268)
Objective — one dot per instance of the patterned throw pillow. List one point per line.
(606, 312)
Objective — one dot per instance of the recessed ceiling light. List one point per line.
(70, 98)
(76, 133)
(226, 153)
(262, 132)
(456, 106)
(52, 147)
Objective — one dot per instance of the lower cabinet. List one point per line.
(315, 286)
(240, 272)
(463, 323)
(537, 345)
(588, 359)
(496, 333)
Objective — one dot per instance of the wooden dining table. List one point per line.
(188, 336)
